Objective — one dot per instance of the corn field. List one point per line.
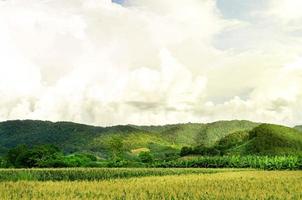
(225, 185)
(259, 162)
(92, 174)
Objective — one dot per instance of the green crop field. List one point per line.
(151, 184)
(91, 174)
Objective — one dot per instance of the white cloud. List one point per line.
(151, 62)
(286, 9)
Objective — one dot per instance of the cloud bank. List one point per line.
(149, 62)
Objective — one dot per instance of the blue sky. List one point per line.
(118, 1)
(239, 9)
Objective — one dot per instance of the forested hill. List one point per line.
(74, 137)
(159, 140)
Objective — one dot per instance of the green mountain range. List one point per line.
(230, 137)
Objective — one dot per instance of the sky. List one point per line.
(151, 61)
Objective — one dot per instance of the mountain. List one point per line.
(73, 137)
(266, 139)
(66, 135)
(195, 134)
(237, 137)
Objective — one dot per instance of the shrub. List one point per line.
(22, 156)
(186, 151)
(145, 157)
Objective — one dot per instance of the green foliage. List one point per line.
(192, 134)
(22, 156)
(118, 162)
(233, 140)
(265, 139)
(268, 139)
(72, 137)
(218, 130)
(261, 162)
(72, 160)
(206, 151)
(76, 160)
(186, 151)
(163, 152)
(199, 150)
(145, 157)
(93, 174)
(117, 144)
(45, 156)
(3, 163)
(13, 156)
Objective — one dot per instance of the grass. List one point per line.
(225, 185)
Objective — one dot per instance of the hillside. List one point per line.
(266, 139)
(66, 135)
(228, 137)
(196, 134)
(299, 128)
(73, 137)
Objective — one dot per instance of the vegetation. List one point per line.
(29, 144)
(260, 162)
(270, 139)
(42, 156)
(145, 157)
(22, 156)
(164, 142)
(91, 174)
(228, 185)
(299, 128)
(265, 140)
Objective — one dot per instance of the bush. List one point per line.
(186, 151)
(117, 163)
(22, 156)
(45, 156)
(2, 163)
(206, 151)
(145, 157)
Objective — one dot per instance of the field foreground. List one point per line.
(221, 185)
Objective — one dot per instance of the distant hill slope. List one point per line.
(299, 128)
(234, 137)
(220, 129)
(271, 139)
(66, 135)
(267, 139)
(73, 137)
(196, 134)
